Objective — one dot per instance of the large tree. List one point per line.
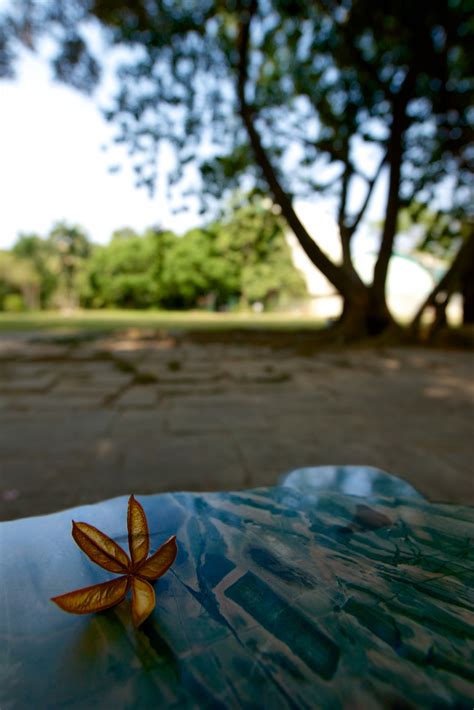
(289, 97)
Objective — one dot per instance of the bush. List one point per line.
(13, 303)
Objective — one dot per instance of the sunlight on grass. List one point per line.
(107, 320)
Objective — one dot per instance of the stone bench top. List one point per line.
(339, 589)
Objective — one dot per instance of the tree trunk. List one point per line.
(359, 321)
(379, 318)
(379, 315)
(455, 279)
(467, 290)
(353, 320)
(30, 293)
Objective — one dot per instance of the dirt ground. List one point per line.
(83, 419)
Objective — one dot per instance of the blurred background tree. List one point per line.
(126, 273)
(240, 260)
(71, 247)
(285, 97)
(40, 255)
(251, 242)
(19, 283)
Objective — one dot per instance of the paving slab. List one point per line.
(41, 432)
(17, 382)
(77, 425)
(138, 396)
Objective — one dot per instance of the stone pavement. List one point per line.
(87, 419)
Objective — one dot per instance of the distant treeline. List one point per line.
(237, 262)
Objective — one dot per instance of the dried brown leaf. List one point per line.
(104, 551)
(138, 535)
(143, 600)
(160, 561)
(98, 597)
(100, 548)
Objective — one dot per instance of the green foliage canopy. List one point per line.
(243, 259)
(126, 272)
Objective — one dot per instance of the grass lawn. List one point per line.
(109, 320)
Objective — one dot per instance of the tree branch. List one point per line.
(344, 231)
(370, 188)
(394, 157)
(347, 283)
(347, 230)
(451, 281)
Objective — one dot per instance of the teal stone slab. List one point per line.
(361, 481)
(276, 600)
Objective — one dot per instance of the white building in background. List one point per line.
(408, 281)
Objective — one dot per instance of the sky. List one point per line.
(53, 167)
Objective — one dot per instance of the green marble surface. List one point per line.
(279, 598)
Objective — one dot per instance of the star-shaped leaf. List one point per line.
(136, 571)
